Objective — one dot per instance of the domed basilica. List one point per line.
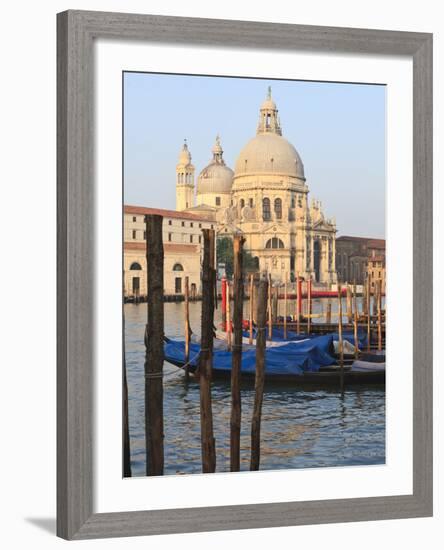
(266, 200)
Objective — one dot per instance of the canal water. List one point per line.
(301, 428)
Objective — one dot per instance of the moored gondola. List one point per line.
(304, 362)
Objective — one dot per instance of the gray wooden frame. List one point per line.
(76, 32)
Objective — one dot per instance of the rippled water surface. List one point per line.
(300, 428)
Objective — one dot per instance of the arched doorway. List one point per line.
(317, 259)
(178, 280)
(135, 279)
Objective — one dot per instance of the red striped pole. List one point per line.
(299, 283)
(224, 304)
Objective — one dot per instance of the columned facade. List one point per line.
(266, 200)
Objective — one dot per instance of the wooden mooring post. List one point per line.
(228, 316)
(251, 306)
(285, 307)
(349, 304)
(364, 298)
(340, 343)
(206, 354)
(187, 329)
(125, 415)
(275, 303)
(269, 309)
(260, 373)
(224, 303)
(298, 303)
(154, 336)
(368, 298)
(309, 306)
(236, 409)
(328, 312)
(379, 309)
(355, 321)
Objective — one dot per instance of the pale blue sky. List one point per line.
(338, 129)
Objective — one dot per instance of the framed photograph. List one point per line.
(244, 275)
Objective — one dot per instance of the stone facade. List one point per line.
(182, 238)
(375, 270)
(266, 200)
(352, 257)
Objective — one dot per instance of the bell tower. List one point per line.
(184, 180)
(268, 118)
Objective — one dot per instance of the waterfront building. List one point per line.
(376, 270)
(183, 248)
(352, 257)
(265, 199)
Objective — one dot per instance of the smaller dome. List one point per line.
(185, 155)
(217, 177)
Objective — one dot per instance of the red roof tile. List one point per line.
(142, 210)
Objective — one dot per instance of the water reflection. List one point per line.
(301, 428)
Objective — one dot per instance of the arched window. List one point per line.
(242, 203)
(266, 210)
(274, 243)
(278, 208)
(135, 266)
(177, 267)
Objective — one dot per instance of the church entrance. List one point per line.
(317, 260)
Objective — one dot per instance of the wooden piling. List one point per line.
(206, 354)
(309, 306)
(270, 313)
(187, 329)
(355, 321)
(251, 305)
(238, 302)
(228, 314)
(260, 373)
(368, 296)
(375, 301)
(364, 298)
(126, 436)
(379, 310)
(328, 313)
(275, 303)
(154, 336)
(255, 289)
(285, 307)
(349, 304)
(298, 303)
(224, 303)
(340, 343)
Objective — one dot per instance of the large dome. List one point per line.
(269, 153)
(215, 178)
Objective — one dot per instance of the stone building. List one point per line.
(182, 238)
(266, 200)
(376, 270)
(352, 257)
